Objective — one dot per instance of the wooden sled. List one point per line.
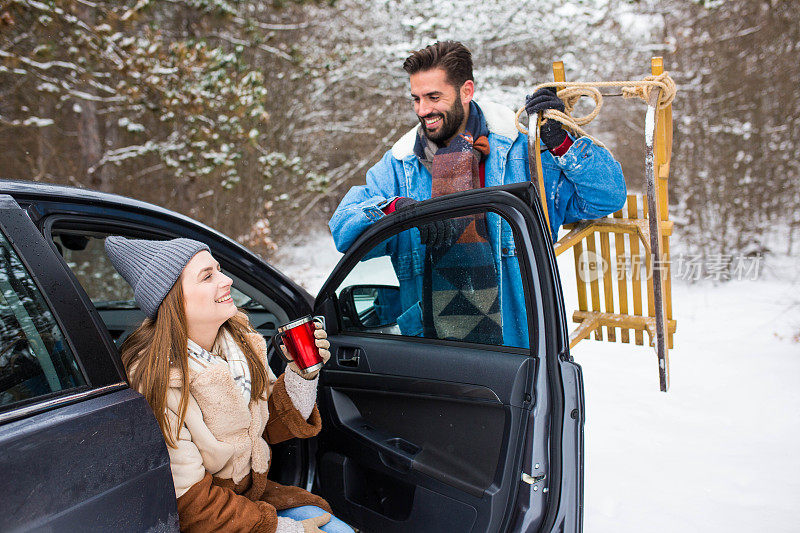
(634, 271)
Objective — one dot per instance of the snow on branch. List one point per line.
(34, 122)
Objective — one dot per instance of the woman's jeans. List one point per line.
(310, 511)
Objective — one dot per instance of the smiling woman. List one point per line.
(207, 297)
(203, 370)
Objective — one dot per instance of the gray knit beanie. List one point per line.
(151, 267)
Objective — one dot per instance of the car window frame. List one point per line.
(233, 258)
(451, 213)
(224, 249)
(509, 208)
(242, 284)
(66, 301)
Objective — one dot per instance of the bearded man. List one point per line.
(582, 180)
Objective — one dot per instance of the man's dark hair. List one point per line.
(452, 56)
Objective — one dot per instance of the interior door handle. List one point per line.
(348, 356)
(398, 454)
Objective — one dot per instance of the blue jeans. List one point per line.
(310, 511)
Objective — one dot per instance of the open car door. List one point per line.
(434, 421)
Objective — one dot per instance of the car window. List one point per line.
(35, 359)
(88, 261)
(452, 279)
(84, 252)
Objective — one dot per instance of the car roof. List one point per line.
(34, 191)
(48, 191)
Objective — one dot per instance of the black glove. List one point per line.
(403, 202)
(551, 132)
(443, 233)
(440, 233)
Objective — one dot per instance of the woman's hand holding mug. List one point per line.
(299, 335)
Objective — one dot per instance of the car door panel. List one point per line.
(91, 465)
(428, 435)
(409, 438)
(433, 435)
(407, 396)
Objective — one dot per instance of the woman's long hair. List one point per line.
(159, 345)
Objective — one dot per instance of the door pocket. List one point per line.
(373, 496)
(409, 434)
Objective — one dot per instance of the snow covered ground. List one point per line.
(715, 453)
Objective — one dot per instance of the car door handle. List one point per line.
(398, 454)
(348, 356)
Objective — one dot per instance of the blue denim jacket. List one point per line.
(584, 183)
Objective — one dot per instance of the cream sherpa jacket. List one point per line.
(221, 459)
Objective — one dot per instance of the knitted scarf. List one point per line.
(460, 287)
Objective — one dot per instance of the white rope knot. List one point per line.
(642, 90)
(572, 95)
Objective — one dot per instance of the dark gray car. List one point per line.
(419, 434)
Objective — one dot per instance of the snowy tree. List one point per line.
(736, 170)
(252, 116)
(173, 95)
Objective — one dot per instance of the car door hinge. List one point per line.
(531, 480)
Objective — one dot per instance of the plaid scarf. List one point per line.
(200, 359)
(461, 298)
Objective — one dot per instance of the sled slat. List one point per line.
(581, 284)
(622, 277)
(608, 287)
(636, 273)
(594, 283)
(668, 287)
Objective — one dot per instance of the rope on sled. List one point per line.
(571, 92)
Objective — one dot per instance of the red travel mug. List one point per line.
(298, 337)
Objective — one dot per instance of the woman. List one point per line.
(202, 369)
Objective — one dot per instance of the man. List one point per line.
(582, 180)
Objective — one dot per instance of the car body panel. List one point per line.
(69, 453)
(97, 464)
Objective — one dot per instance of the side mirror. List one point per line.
(370, 306)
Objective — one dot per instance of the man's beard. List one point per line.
(451, 122)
